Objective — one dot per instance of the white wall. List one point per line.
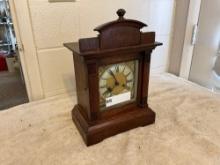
(179, 31)
(56, 23)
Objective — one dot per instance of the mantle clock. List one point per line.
(112, 76)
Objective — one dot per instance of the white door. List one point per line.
(27, 50)
(205, 65)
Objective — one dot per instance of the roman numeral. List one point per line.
(117, 68)
(126, 87)
(128, 74)
(103, 86)
(106, 92)
(123, 70)
(129, 81)
(109, 89)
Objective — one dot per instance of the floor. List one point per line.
(12, 90)
(186, 131)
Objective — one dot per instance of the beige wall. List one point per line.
(180, 21)
(56, 23)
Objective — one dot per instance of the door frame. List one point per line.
(188, 47)
(27, 48)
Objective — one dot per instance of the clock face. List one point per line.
(117, 84)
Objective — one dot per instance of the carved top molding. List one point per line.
(121, 21)
(121, 34)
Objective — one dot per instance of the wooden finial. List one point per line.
(121, 13)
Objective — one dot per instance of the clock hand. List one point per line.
(112, 74)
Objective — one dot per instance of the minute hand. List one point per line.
(112, 74)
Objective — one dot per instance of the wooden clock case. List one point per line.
(118, 41)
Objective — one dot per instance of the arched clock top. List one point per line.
(121, 21)
(119, 34)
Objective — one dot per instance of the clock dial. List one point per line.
(117, 83)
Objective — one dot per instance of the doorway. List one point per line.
(12, 85)
(205, 66)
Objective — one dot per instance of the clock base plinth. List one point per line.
(97, 131)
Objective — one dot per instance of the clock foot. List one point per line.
(93, 133)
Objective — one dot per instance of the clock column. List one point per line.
(92, 68)
(145, 64)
